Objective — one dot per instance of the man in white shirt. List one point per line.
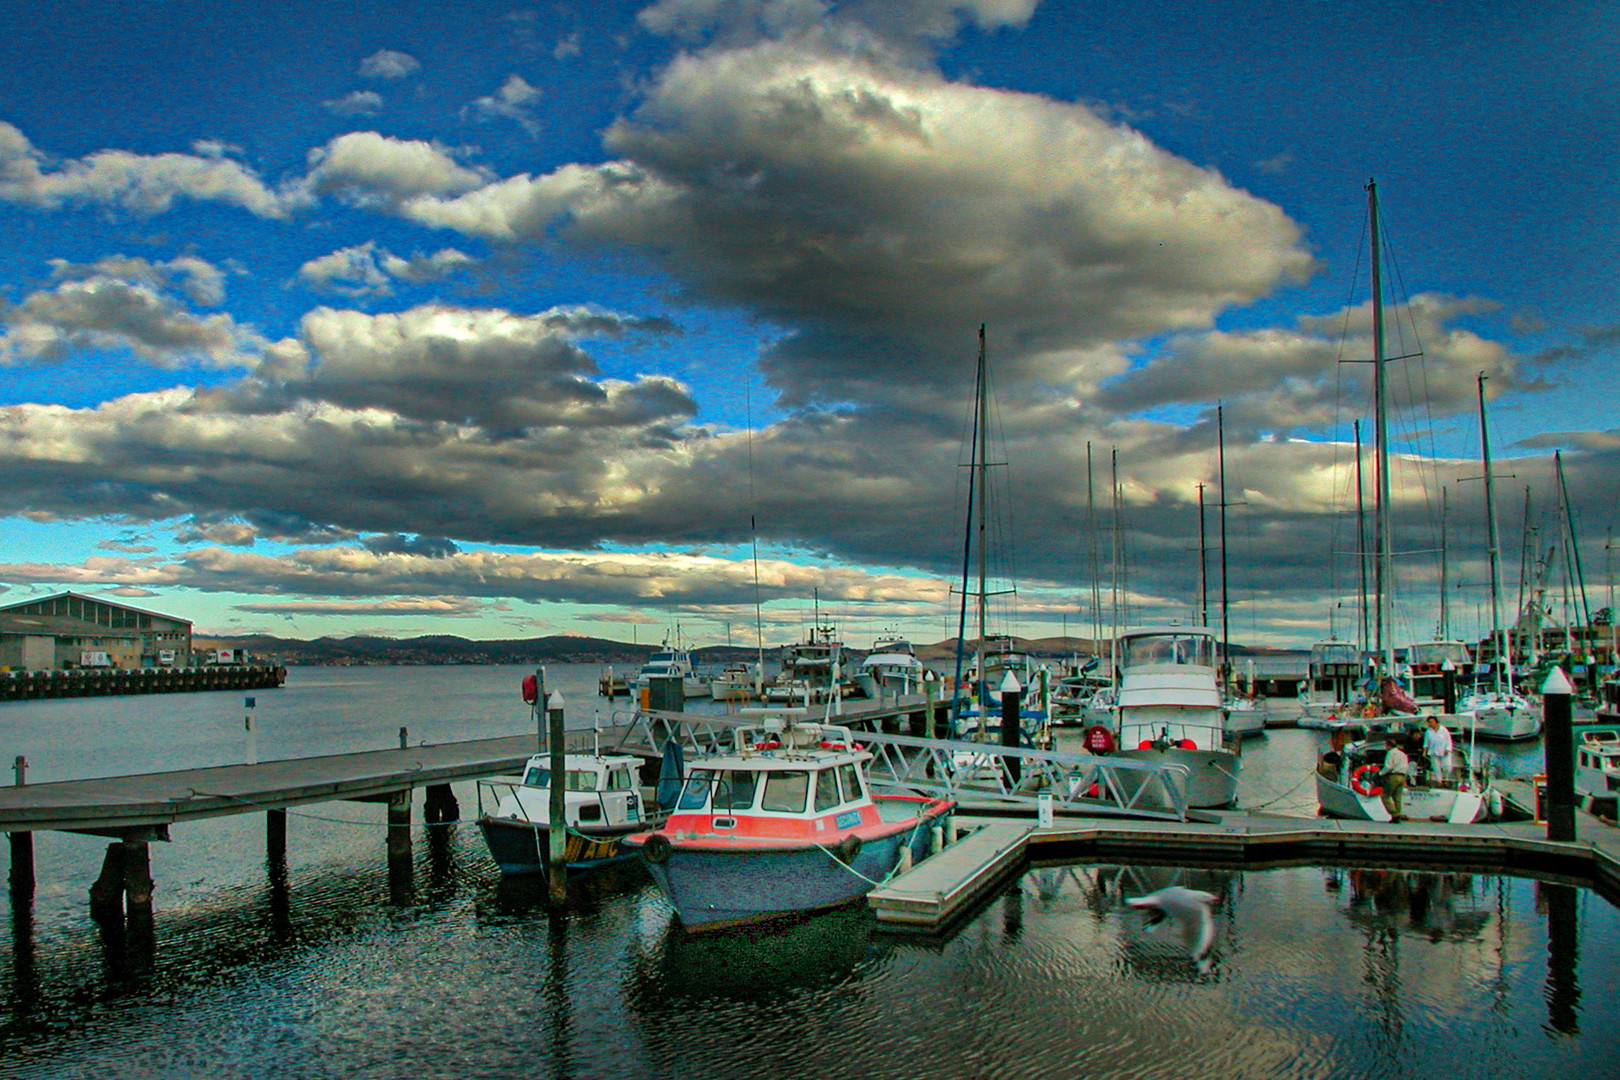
(1393, 777)
(1437, 748)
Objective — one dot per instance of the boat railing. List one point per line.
(1012, 777)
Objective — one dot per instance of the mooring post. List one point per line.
(440, 806)
(929, 686)
(1012, 693)
(22, 848)
(275, 838)
(399, 847)
(252, 732)
(539, 706)
(107, 891)
(1559, 745)
(557, 817)
(404, 738)
(1448, 687)
(138, 884)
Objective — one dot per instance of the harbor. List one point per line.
(335, 903)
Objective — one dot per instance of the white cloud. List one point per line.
(357, 103)
(515, 101)
(370, 270)
(388, 64)
(369, 169)
(142, 184)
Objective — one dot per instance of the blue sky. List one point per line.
(505, 321)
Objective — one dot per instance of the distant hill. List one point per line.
(563, 649)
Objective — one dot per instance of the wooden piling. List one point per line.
(107, 891)
(275, 837)
(439, 807)
(401, 890)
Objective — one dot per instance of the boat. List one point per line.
(1244, 715)
(1497, 710)
(890, 669)
(737, 682)
(602, 804)
(1597, 767)
(1347, 784)
(1169, 709)
(1328, 696)
(1082, 699)
(783, 823)
(812, 670)
(670, 663)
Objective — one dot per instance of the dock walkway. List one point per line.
(934, 893)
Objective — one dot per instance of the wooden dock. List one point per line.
(938, 891)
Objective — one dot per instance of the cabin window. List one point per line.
(695, 796)
(827, 790)
(619, 780)
(590, 812)
(785, 792)
(851, 778)
(735, 790)
(578, 780)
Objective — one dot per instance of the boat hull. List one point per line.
(524, 847)
(1503, 725)
(713, 886)
(1212, 775)
(1417, 803)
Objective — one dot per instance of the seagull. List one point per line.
(1188, 909)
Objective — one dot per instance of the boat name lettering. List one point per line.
(847, 820)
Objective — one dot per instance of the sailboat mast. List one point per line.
(1096, 569)
(979, 467)
(1495, 549)
(1445, 602)
(1226, 635)
(1383, 572)
(1361, 535)
(1203, 564)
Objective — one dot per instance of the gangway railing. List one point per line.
(1076, 783)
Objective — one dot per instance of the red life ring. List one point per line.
(1425, 669)
(1360, 786)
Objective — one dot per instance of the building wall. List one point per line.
(27, 652)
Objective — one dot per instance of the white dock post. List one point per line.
(252, 732)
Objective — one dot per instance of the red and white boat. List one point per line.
(783, 823)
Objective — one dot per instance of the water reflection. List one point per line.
(753, 964)
(1432, 905)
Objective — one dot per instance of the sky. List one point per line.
(640, 320)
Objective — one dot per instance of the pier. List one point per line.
(100, 682)
(935, 894)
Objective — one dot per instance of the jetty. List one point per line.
(99, 682)
(937, 893)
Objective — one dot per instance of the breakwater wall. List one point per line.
(100, 682)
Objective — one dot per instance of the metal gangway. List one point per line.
(981, 775)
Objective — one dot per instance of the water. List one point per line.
(1315, 972)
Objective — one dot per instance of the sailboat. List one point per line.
(1000, 662)
(1242, 715)
(1496, 710)
(1347, 784)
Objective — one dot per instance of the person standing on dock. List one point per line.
(1393, 776)
(1437, 748)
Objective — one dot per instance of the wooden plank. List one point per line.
(942, 885)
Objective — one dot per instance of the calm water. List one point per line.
(1315, 972)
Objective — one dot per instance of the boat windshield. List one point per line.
(1168, 649)
(785, 792)
(1438, 652)
(722, 789)
(1334, 654)
(578, 780)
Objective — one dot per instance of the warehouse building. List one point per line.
(74, 631)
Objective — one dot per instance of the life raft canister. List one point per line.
(1099, 740)
(1361, 785)
(531, 689)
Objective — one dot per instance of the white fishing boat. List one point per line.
(737, 682)
(812, 670)
(1169, 709)
(670, 663)
(602, 804)
(1083, 699)
(890, 669)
